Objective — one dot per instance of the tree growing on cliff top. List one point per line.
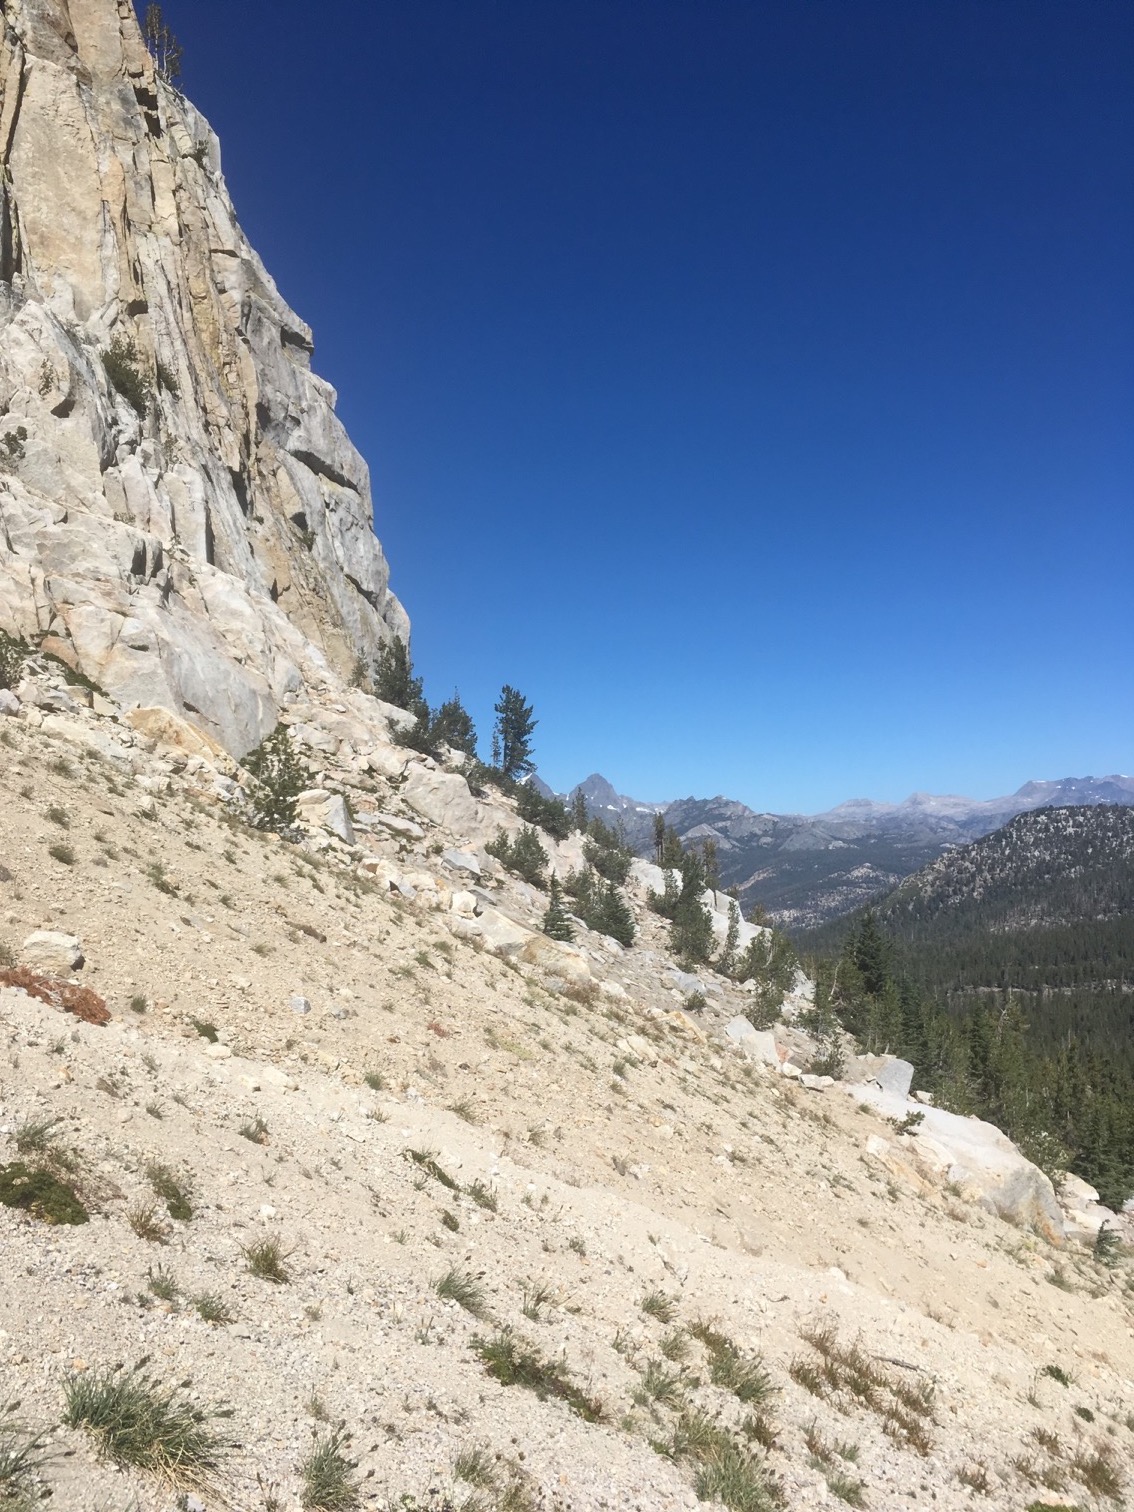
(163, 46)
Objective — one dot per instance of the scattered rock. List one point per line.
(53, 951)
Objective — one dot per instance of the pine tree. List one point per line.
(452, 725)
(511, 738)
(711, 857)
(617, 920)
(556, 924)
(163, 45)
(659, 837)
(394, 682)
(579, 814)
(278, 779)
(727, 962)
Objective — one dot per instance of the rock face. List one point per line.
(190, 525)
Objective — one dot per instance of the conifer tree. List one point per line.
(279, 776)
(512, 737)
(579, 810)
(394, 682)
(659, 837)
(452, 725)
(556, 924)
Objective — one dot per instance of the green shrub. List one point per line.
(40, 1193)
(123, 367)
(279, 776)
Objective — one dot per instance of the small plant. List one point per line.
(138, 1003)
(450, 1220)
(58, 816)
(667, 1387)
(123, 367)
(62, 853)
(463, 1288)
(212, 1308)
(162, 1284)
(976, 1478)
(464, 1110)
(538, 1295)
(475, 1466)
(426, 1160)
(657, 1305)
(34, 1135)
(1056, 1373)
(174, 1193)
(143, 1219)
(254, 1130)
(22, 1455)
(205, 1030)
(138, 1422)
(484, 1196)
(155, 871)
(40, 1193)
(675, 1346)
(265, 1259)
(514, 1363)
(375, 1081)
(327, 1474)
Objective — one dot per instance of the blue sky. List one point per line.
(749, 383)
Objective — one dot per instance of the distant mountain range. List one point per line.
(808, 868)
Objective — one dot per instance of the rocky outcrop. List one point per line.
(182, 516)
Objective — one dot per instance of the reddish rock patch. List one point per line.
(81, 1001)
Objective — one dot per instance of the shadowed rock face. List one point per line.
(205, 543)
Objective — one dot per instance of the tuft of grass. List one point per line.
(174, 1193)
(1096, 1471)
(484, 1196)
(144, 1220)
(58, 816)
(139, 1422)
(463, 1288)
(23, 1454)
(657, 1305)
(327, 1475)
(725, 1473)
(675, 1346)
(265, 1259)
(375, 1081)
(464, 1109)
(450, 1220)
(205, 1030)
(975, 1477)
(475, 1466)
(155, 871)
(34, 1135)
(138, 1003)
(62, 853)
(513, 1363)
(538, 1295)
(212, 1308)
(1056, 1373)
(162, 1284)
(426, 1160)
(255, 1130)
(667, 1387)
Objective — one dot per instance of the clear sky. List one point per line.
(749, 382)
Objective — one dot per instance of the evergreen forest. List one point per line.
(1005, 973)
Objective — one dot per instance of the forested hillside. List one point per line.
(1005, 972)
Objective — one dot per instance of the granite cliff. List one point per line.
(182, 516)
